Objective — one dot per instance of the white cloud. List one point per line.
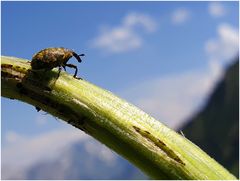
(126, 36)
(135, 19)
(22, 151)
(174, 98)
(180, 16)
(225, 46)
(117, 40)
(216, 9)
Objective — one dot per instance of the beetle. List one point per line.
(49, 58)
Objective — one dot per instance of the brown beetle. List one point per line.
(49, 58)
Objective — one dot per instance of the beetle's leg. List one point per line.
(59, 71)
(64, 67)
(72, 66)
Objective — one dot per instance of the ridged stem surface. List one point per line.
(157, 150)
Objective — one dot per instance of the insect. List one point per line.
(49, 58)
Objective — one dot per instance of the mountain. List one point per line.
(215, 128)
(77, 163)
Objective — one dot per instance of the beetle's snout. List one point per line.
(78, 57)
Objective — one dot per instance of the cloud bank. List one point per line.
(225, 45)
(173, 98)
(126, 36)
(21, 153)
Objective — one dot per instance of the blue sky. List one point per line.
(164, 57)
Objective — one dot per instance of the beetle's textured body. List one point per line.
(49, 58)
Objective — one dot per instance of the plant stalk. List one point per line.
(147, 143)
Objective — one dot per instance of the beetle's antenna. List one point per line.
(78, 56)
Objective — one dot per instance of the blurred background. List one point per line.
(178, 61)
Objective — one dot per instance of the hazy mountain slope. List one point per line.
(216, 128)
(77, 163)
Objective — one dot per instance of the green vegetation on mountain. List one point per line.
(215, 129)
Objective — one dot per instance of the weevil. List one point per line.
(49, 58)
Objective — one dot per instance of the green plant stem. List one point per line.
(147, 143)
